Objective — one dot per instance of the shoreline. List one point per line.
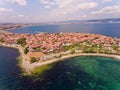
(75, 55)
(7, 30)
(17, 28)
(4, 31)
(25, 64)
(28, 67)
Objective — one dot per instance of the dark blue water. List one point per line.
(105, 29)
(79, 73)
(10, 72)
(8, 68)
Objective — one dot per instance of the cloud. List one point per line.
(14, 17)
(68, 4)
(47, 6)
(107, 0)
(1, 2)
(20, 15)
(59, 10)
(108, 9)
(86, 6)
(64, 3)
(5, 10)
(47, 3)
(105, 12)
(72, 3)
(20, 2)
(68, 10)
(72, 8)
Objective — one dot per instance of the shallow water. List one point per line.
(84, 73)
(79, 73)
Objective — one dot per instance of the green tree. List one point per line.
(26, 50)
(33, 59)
(115, 47)
(1, 40)
(72, 51)
(21, 41)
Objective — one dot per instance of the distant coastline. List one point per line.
(91, 28)
(3, 31)
(12, 26)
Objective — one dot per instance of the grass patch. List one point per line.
(40, 71)
(19, 58)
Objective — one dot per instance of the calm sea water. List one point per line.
(79, 73)
(105, 29)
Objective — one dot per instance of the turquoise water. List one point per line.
(84, 73)
(104, 29)
(79, 73)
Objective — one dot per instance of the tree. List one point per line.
(33, 59)
(26, 50)
(1, 40)
(72, 51)
(21, 41)
(115, 47)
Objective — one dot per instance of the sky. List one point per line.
(57, 10)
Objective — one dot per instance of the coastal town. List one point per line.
(61, 42)
(42, 47)
(7, 26)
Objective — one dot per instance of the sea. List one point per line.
(78, 73)
(108, 29)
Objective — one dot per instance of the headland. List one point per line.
(45, 48)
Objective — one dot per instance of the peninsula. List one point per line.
(45, 48)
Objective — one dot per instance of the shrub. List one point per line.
(21, 41)
(26, 50)
(72, 52)
(32, 59)
(1, 40)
